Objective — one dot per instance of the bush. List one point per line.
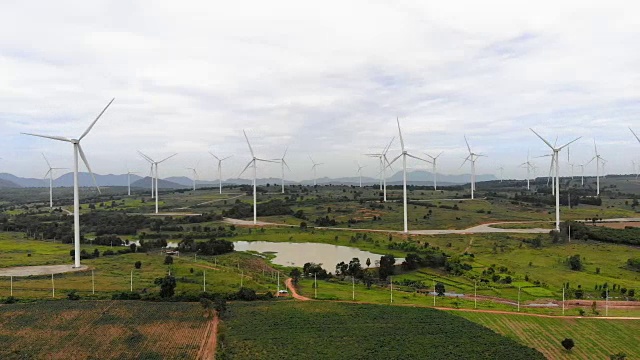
(168, 260)
(568, 343)
(73, 295)
(10, 300)
(126, 296)
(138, 264)
(247, 294)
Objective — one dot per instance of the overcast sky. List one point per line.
(326, 78)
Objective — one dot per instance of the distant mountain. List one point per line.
(416, 177)
(4, 184)
(162, 184)
(23, 182)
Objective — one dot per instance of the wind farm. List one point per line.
(319, 181)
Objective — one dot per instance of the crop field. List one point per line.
(329, 330)
(224, 273)
(102, 330)
(594, 338)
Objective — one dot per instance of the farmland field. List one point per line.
(594, 338)
(329, 330)
(102, 330)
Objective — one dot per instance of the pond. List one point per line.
(297, 254)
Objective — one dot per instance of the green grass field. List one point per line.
(102, 330)
(594, 338)
(329, 330)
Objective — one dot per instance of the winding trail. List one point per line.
(210, 340)
(294, 291)
(478, 229)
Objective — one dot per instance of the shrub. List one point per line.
(168, 260)
(73, 295)
(568, 343)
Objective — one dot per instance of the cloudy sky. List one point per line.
(326, 78)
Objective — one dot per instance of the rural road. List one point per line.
(479, 229)
(294, 292)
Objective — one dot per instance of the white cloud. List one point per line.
(326, 78)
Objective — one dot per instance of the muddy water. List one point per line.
(297, 254)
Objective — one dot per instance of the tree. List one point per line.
(354, 267)
(220, 304)
(303, 225)
(295, 275)
(247, 294)
(138, 264)
(568, 343)
(73, 295)
(386, 266)
(440, 289)
(575, 263)
(167, 286)
(368, 262)
(168, 260)
(207, 306)
(133, 247)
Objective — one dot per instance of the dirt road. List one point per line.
(210, 341)
(294, 292)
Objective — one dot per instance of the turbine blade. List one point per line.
(400, 133)
(214, 156)
(468, 147)
(388, 146)
(248, 143)
(145, 157)
(49, 137)
(246, 167)
(570, 142)
(634, 134)
(541, 138)
(86, 163)
(223, 159)
(392, 161)
(45, 159)
(96, 120)
(417, 158)
(285, 152)
(167, 158)
(465, 161)
(285, 164)
(45, 175)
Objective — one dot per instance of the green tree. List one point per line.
(575, 263)
(568, 343)
(295, 275)
(387, 263)
(440, 289)
(138, 264)
(368, 262)
(167, 286)
(168, 260)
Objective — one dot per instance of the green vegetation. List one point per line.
(593, 338)
(102, 330)
(325, 330)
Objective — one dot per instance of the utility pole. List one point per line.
(518, 298)
(204, 282)
(475, 294)
(391, 280)
(93, 283)
(315, 285)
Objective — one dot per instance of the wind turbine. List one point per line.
(195, 176)
(598, 160)
(313, 168)
(50, 173)
(384, 163)
(582, 174)
(220, 167)
(472, 157)
(529, 167)
(556, 151)
(360, 167)
(77, 150)
(283, 163)
(435, 171)
(501, 170)
(129, 181)
(154, 171)
(253, 163)
(404, 155)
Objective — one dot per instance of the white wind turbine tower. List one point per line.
(283, 163)
(129, 181)
(636, 168)
(501, 171)
(77, 150)
(404, 155)
(154, 171)
(360, 167)
(384, 163)
(220, 160)
(253, 162)
(582, 174)
(598, 160)
(529, 167)
(556, 151)
(472, 157)
(50, 174)
(434, 159)
(194, 173)
(314, 168)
